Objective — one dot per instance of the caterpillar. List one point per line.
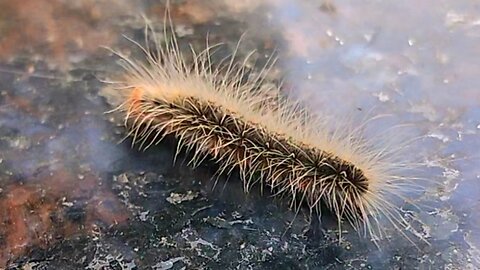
(217, 112)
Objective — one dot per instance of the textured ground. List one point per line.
(72, 197)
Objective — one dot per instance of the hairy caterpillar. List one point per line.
(215, 112)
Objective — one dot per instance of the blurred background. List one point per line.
(73, 195)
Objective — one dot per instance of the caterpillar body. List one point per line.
(214, 112)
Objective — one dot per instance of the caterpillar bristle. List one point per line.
(216, 112)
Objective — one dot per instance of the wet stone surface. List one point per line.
(75, 195)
